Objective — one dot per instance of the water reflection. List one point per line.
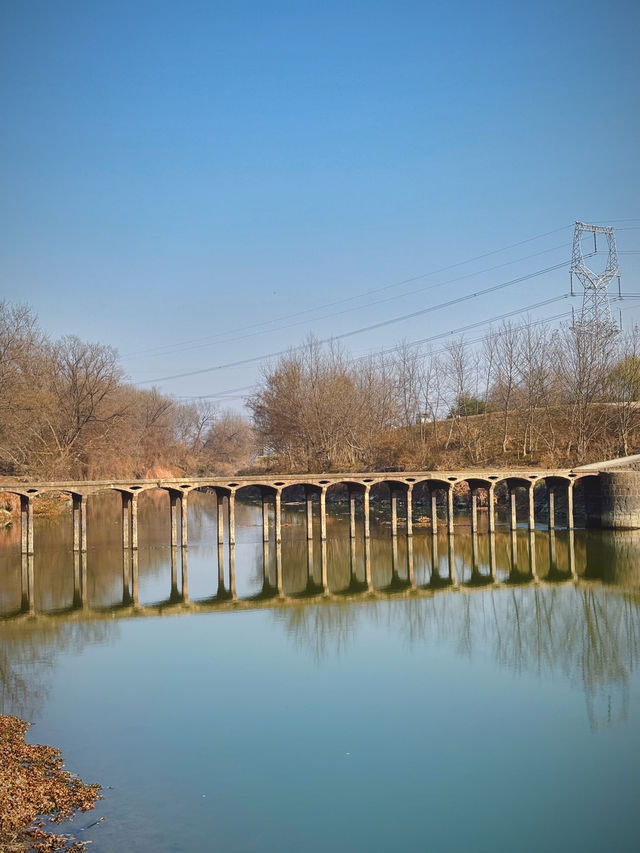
(589, 635)
(553, 602)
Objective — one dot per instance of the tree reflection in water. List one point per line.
(590, 636)
(564, 604)
(28, 655)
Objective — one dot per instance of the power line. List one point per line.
(478, 323)
(168, 348)
(447, 304)
(234, 393)
(229, 393)
(236, 338)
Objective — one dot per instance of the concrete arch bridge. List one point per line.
(401, 487)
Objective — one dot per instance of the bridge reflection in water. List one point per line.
(558, 600)
(273, 572)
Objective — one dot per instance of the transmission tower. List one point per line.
(596, 308)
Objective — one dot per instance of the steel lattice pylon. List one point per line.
(596, 308)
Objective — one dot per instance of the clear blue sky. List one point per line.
(175, 171)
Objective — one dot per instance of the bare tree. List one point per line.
(408, 376)
(229, 443)
(585, 358)
(535, 379)
(505, 373)
(318, 410)
(624, 390)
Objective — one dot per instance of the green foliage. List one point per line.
(466, 405)
(625, 379)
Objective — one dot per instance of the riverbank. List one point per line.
(35, 791)
(45, 506)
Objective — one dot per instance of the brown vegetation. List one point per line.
(523, 395)
(66, 412)
(33, 785)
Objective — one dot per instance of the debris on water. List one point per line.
(95, 823)
(33, 786)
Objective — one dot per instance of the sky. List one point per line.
(203, 183)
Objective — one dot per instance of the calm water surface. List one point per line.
(501, 713)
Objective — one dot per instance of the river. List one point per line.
(497, 712)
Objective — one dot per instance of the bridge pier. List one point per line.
(77, 590)
(513, 509)
(435, 560)
(83, 523)
(126, 576)
(174, 594)
(279, 582)
(125, 517)
(277, 502)
(532, 508)
(308, 500)
(474, 511)
(452, 562)
(434, 510)
(367, 564)
(184, 587)
(570, 519)
(84, 580)
(450, 528)
(232, 571)
(221, 591)
(76, 515)
(310, 573)
(572, 555)
(184, 519)
(410, 569)
(134, 577)
(394, 513)
(232, 518)
(553, 558)
(174, 499)
(134, 522)
(514, 550)
(394, 558)
(406, 490)
(532, 554)
(324, 564)
(220, 516)
(323, 514)
(365, 504)
(491, 508)
(551, 497)
(493, 566)
(26, 524)
(352, 561)
(352, 513)
(27, 588)
(264, 494)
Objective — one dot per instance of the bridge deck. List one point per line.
(282, 481)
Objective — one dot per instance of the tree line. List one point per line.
(525, 393)
(67, 411)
